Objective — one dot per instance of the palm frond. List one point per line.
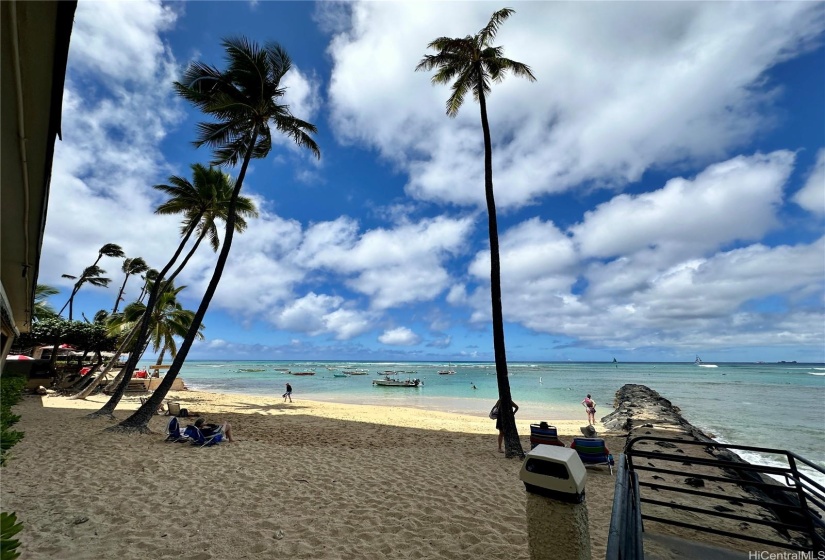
(488, 33)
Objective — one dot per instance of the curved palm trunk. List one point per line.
(121, 381)
(93, 385)
(512, 444)
(108, 408)
(140, 419)
(120, 294)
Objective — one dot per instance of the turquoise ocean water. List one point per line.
(764, 405)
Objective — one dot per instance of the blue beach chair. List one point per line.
(593, 452)
(544, 434)
(199, 438)
(174, 433)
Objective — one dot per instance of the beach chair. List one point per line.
(174, 433)
(593, 452)
(174, 409)
(544, 434)
(200, 439)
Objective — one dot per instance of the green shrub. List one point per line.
(8, 528)
(11, 390)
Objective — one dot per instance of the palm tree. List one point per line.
(92, 275)
(471, 63)
(42, 309)
(245, 100)
(108, 250)
(167, 321)
(150, 276)
(130, 266)
(202, 202)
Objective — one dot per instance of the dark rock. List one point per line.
(695, 482)
(723, 508)
(666, 444)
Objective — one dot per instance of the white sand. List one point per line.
(304, 480)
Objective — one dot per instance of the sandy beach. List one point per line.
(312, 480)
(303, 480)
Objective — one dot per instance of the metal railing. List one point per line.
(798, 505)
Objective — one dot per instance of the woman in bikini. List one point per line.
(590, 405)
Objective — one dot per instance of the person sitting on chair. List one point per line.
(211, 429)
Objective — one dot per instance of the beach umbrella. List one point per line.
(19, 357)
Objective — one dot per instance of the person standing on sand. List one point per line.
(494, 414)
(590, 405)
(288, 394)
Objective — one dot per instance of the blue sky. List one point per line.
(660, 187)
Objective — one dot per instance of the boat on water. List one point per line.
(448, 371)
(356, 372)
(339, 375)
(700, 363)
(302, 372)
(390, 382)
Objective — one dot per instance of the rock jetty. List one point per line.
(641, 411)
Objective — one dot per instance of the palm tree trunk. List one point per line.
(121, 382)
(512, 444)
(160, 357)
(140, 419)
(120, 294)
(109, 408)
(90, 389)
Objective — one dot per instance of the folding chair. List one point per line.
(197, 436)
(174, 433)
(593, 452)
(544, 434)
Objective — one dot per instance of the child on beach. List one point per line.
(288, 394)
(590, 405)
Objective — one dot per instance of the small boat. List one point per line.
(700, 363)
(387, 372)
(447, 371)
(302, 372)
(339, 375)
(389, 382)
(356, 371)
(283, 369)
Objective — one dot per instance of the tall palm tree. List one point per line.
(201, 202)
(471, 63)
(130, 266)
(108, 250)
(42, 308)
(245, 101)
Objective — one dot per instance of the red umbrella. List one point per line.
(20, 357)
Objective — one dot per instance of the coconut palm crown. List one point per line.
(244, 100)
(471, 63)
(203, 201)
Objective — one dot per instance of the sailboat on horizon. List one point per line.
(698, 361)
